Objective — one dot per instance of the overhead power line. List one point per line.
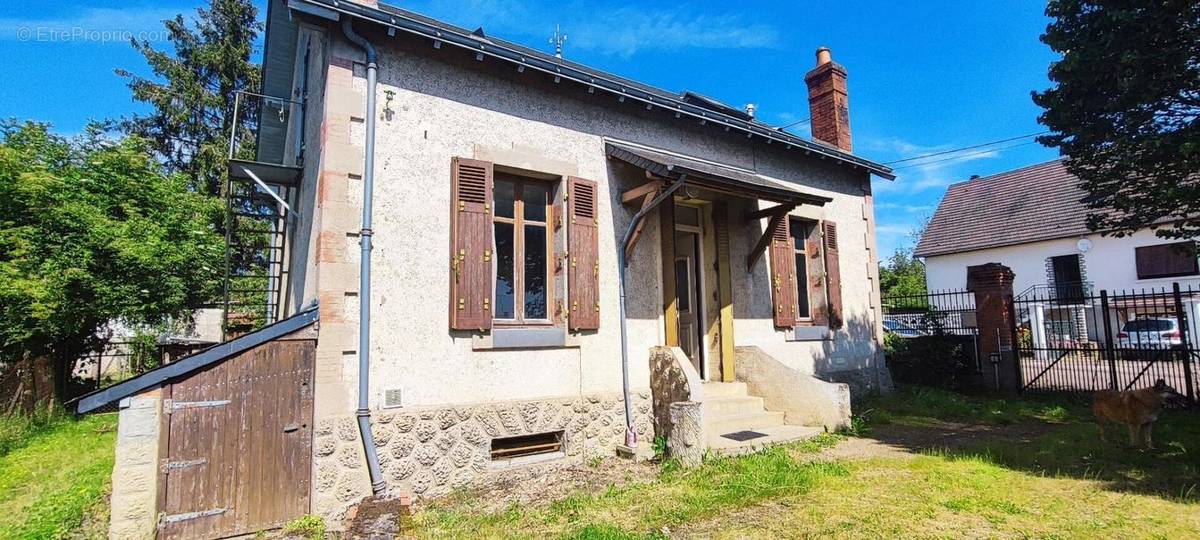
(972, 147)
(964, 156)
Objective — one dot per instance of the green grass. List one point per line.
(1059, 481)
(921, 406)
(54, 479)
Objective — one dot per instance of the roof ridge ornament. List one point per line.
(557, 40)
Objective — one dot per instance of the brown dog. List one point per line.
(1137, 409)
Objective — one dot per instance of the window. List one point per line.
(1066, 273)
(527, 445)
(1166, 260)
(523, 248)
(800, 231)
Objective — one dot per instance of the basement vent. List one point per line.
(527, 445)
(391, 398)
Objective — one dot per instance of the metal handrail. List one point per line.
(267, 100)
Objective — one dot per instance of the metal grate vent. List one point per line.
(527, 445)
(391, 398)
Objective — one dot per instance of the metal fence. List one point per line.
(940, 323)
(1087, 341)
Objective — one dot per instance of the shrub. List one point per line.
(943, 361)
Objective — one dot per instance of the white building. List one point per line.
(1033, 221)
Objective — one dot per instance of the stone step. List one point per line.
(729, 423)
(720, 406)
(778, 434)
(724, 389)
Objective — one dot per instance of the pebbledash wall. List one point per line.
(453, 395)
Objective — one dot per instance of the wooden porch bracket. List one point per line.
(654, 186)
(761, 246)
(768, 212)
(637, 231)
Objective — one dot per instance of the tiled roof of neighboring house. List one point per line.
(1039, 202)
(688, 105)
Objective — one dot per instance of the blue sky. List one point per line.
(924, 76)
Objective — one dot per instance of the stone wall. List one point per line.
(135, 472)
(672, 379)
(431, 451)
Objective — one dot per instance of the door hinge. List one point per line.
(164, 519)
(177, 465)
(172, 406)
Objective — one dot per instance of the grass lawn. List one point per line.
(935, 464)
(54, 477)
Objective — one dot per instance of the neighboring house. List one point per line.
(1033, 221)
(505, 181)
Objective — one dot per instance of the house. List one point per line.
(563, 263)
(1033, 221)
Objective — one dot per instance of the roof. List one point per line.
(688, 105)
(710, 174)
(190, 364)
(1031, 204)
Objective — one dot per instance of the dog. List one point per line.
(1136, 409)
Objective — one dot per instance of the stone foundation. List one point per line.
(135, 473)
(431, 451)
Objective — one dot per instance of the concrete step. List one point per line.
(729, 423)
(778, 434)
(732, 405)
(724, 389)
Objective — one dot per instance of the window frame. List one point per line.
(518, 223)
(801, 249)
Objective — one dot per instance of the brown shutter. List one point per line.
(818, 303)
(783, 275)
(583, 282)
(471, 274)
(833, 274)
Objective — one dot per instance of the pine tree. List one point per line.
(192, 90)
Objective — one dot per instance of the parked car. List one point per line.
(1144, 334)
(900, 329)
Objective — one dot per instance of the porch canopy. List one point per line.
(721, 178)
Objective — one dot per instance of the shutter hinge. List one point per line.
(487, 255)
(462, 206)
(462, 304)
(574, 261)
(487, 304)
(597, 307)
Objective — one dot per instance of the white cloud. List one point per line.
(96, 25)
(613, 30)
(935, 173)
(628, 30)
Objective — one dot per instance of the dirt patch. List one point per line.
(533, 487)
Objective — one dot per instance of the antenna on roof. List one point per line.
(558, 40)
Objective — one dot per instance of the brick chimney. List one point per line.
(827, 101)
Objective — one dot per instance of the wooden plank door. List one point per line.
(239, 450)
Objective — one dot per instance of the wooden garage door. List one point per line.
(239, 448)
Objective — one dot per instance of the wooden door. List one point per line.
(239, 449)
(687, 297)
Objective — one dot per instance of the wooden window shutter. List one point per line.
(471, 265)
(583, 250)
(833, 274)
(783, 275)
(818, 301)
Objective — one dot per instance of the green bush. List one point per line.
(942, 361)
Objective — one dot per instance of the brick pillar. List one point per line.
(992, 284)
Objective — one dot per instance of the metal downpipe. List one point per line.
(630, 432)
(364, 278)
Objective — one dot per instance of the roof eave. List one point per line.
(596, 79)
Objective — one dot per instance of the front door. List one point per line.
(687, 287)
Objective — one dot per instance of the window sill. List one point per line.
(524, 337)
(810, 333)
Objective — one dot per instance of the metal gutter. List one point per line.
(483, 47)
(364, 273)
(630, 432)
(189, 364)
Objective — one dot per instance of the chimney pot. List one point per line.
(823, 56)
